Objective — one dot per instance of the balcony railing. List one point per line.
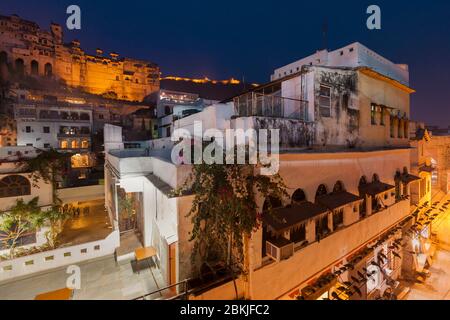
(260, 105)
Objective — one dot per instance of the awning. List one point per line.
(408, 178)
(336, 200)
(374, 188)
(290, 217)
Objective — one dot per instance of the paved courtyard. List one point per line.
(100, 280)
(87, 227)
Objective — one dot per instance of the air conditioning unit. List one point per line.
(279, 249)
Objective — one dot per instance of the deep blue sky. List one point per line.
(223, 39)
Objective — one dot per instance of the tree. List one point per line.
(47, 166)
(22, 218)
(56, 218)
(224, 211)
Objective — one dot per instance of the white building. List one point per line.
(353, 55)
(344, 155)
(15, 183)
(52, 124)
(173, 105)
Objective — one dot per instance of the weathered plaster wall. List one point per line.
(341, 128)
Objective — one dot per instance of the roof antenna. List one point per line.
(325, 34)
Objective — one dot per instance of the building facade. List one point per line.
(28, 49)
(345, 157)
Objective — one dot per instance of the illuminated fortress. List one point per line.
(26, 49)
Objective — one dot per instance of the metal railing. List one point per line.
(257, 104)
(175, 293)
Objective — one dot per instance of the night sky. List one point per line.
(248, 39)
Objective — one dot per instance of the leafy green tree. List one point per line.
(22, 218)
(224, 211)
(56, 217)
(48, 166)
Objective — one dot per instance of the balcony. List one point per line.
(255, 104)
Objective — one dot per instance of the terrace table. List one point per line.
(144, 254)
(61, 294)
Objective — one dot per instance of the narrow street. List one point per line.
(437, 285)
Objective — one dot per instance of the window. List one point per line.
(322, 227)
(325, 101)
(381, 109)
(398, 180)
(64, 144)
(373, 114)
(338, 187)
(392, 124)
(46, 145)
(46, 129)
(338, 218)
(29, 144)
(321, 191)
(100, 116)
(167, 110)
(298, 196)
(85, 144)
(400, 129)
(27, 129)
(14, 186)
(406, 128)
(298, 234)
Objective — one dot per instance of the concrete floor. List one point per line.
(437, 286)
(100, 280)
(87, 227)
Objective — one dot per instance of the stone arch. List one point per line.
(298, 196)
(19, 66)
(48, 69)
(34, 68)
(362, 181)
(338, 186)
(321, 191)
(3, 57)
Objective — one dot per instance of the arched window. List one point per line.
(64, 144)
(19, 66)
(272, 202)
(48, 70)
(298, 196)
(34, 67)
(321, 191)
(338, 187)
(85, 144)
(14, 186)
(375, 178)
(3, 58)
(74, 144)
(362, 181)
